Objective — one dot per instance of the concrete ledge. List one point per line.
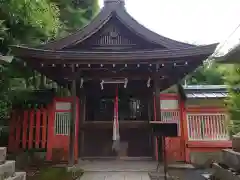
(7, 169)
(224, 174)
(158, 176)
(181, 166)
(18, 176)
(231, 158)
(204, 159)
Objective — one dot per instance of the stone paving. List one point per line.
(117, 166)
(115, 176)
(117, 170)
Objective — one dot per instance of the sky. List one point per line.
(192, 21)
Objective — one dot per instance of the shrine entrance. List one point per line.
(134, 111)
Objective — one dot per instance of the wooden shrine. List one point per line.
(112, 51)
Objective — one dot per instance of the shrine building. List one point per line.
(112, 52)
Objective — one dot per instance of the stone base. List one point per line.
(158, 176)
(224, 174)
(7, 169)
(231, 159)
(236, 143)
(3, 154)
(18, 176)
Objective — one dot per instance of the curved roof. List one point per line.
(117, 10)
(188, 53)
(113, 36)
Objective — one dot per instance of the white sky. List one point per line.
(193, 21)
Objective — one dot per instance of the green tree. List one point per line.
(232, 79)
(208, 74)
(34, 22)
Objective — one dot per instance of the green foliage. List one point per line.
(76, 15)
(29, 21)
(34, 22)
(207, 75)
(232, 79)
(4, 89)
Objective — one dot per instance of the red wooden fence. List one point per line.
(28, 129)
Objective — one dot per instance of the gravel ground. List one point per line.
(188, 174)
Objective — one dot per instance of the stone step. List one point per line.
(18, 176)
(181, 166)
(224, 174)
(7, 169)
(3, 154)
(231, 158)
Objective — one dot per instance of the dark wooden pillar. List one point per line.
(73, 121)
(157, 93)
(157, 108)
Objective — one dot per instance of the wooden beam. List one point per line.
(72, 122)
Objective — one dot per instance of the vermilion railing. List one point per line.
(207, 126)
(173, 116)
(28, 129)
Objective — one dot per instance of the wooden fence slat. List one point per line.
(25, 129)
(44, 128)
(31, 124)
(18, 131)
(37, 128)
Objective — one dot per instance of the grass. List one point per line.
(56, 173)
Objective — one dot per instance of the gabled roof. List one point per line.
(115, 10)
(151, 46)
(112, 38)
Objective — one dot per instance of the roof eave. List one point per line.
(117, 56)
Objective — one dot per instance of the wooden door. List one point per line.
(170, 111)
(59, 128)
